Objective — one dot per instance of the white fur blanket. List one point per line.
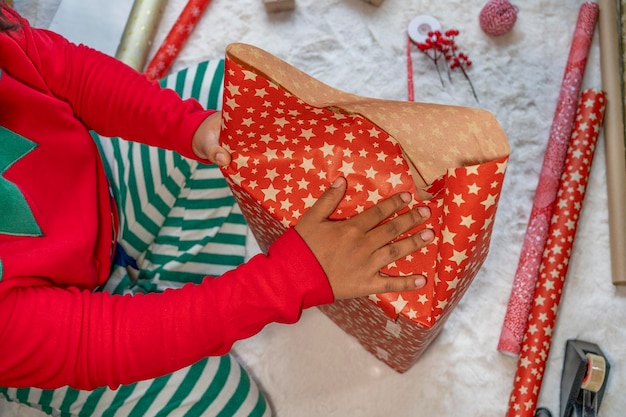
(312, 368)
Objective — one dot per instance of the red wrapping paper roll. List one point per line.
(175, 39)
(555, 259)
(519, 305)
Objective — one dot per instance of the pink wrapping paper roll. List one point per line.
(175, 39)
(519, 305)
(555, 259)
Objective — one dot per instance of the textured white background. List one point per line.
(313, 368)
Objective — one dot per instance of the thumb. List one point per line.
(218, 155)
(328, 202)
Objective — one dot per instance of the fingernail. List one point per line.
(423, 211)
(420, 282)
(427, 235)
(337, 183)
(220, 158)
(406, 197)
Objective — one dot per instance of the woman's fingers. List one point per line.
(388, 231)
(391, 252)
(385, 284)
(374, 215)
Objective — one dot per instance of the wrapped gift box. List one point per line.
(291, 136)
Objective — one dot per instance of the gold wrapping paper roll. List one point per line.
(139, 32)
(614, 136)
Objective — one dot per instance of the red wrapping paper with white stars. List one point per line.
(556, 255)
(162, 61)
(290, 136)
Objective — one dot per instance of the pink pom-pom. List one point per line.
(498, 17)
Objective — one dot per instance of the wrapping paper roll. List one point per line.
(622, 24)
(519, 305)
(175, 39)
(614, 137)
(139, 32)
(555, 259)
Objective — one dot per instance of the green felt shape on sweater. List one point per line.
(16, 216)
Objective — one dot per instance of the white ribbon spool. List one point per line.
(419, 27)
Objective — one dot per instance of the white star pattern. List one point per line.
(327, 149)
(309, 200)
(270, 193)
(307, 164)
(394, 179)
(370, 173)
(347, 168)
(399, 304)
(373, 196)
(270, 154)
(241, 161)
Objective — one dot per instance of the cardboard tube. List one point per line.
(614, 137)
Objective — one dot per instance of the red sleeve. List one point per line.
(110, 97)
(53, 337)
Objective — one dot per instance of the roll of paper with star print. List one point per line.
(291, 135)
(555, 261)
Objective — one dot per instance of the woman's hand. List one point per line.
(206, 141)
(353, 251)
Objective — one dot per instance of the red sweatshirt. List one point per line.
(55, 230)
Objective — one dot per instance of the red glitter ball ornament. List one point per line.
(498, 17)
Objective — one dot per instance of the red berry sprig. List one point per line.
(434, 47)
(438, 45)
